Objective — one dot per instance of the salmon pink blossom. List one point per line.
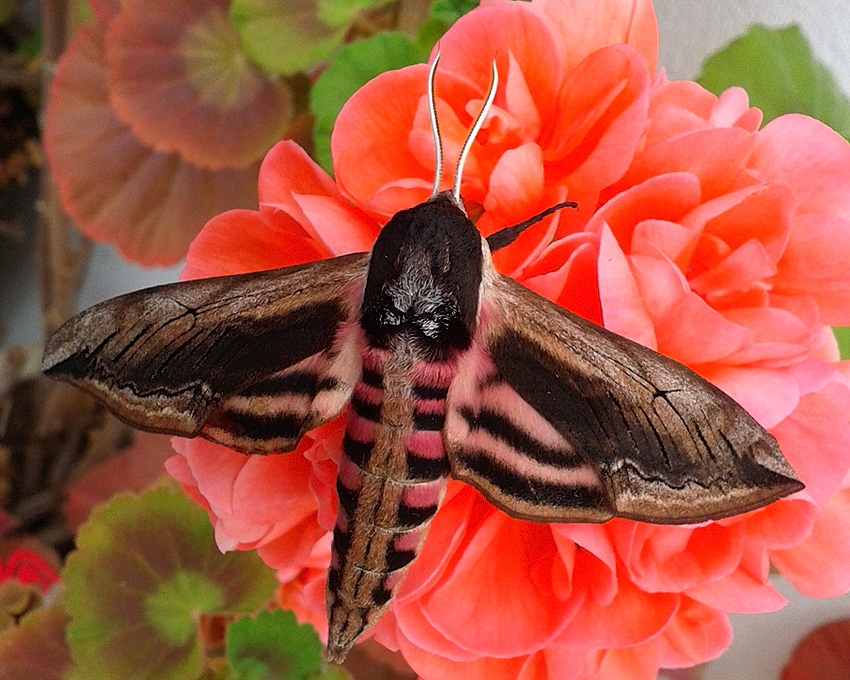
(698, 233)
(156, 122)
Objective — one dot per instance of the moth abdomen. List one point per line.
(391, 479)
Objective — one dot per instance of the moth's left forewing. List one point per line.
(663, 444)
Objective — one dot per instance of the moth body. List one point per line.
(392, 477)
(419, 314)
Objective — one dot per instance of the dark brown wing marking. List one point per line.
(172, 358)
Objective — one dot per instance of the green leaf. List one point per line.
(36, 643)
(146, 567)
(354, 66)
(781, 75)
(284, 37)
(288, 37)
(843, 335)
(449, 11)
(441, 15)
(342, 12)
(272, 646)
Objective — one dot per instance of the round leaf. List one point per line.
(145, 568)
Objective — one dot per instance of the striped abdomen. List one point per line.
(392, 477)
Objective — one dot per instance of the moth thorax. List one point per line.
(424, 277)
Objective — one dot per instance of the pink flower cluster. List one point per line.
(718, 243)
(156, 121)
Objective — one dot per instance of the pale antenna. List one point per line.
(473, 131)
(435, 128)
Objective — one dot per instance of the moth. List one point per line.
(446, 368)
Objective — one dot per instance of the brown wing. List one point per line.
(666, 445)
(250, 361)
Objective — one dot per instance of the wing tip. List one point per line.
(56, 351)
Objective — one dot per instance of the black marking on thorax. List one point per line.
(424, 278)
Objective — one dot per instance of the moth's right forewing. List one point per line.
(669, 446)
(171, 358)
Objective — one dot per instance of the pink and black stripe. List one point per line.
(391, 479)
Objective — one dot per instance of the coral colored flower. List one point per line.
(697, 234)
(151, 132)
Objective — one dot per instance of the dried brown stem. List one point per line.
(62, 251)
(17, 74)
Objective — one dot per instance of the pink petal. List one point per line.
(668, 197)
(105, 10)
(519, 100)
(715, 156)
(687, 329)
(528, 248)
(382, 133)
(744, 267)
(639, 662)
(782, 524)
(746, 590)
(446, 535)
(820, 565)
(673, 559)
(416, 628)
(149, 204)
(803, 153)
(590, 562)
(241, 241)
(431, 666)
(733, 109)
(816, 439)
(602, 112)
(768, 395)
(253, 499)
(777, 335)
(517, 594)
(693, 333)
(633, 616)
(677, 107)
(291, 548)
(516, 180)
(765, 210)
(697, 634)
(586, 27)
(573, 283)
(815, 263)
(506, 30)
(178, 78)
(622, 306)
(337, 226)
(674, 241)
(286, 170)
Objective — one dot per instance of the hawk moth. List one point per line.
(446, 368)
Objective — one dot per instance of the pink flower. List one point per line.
(697, 234)
(156, 122)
